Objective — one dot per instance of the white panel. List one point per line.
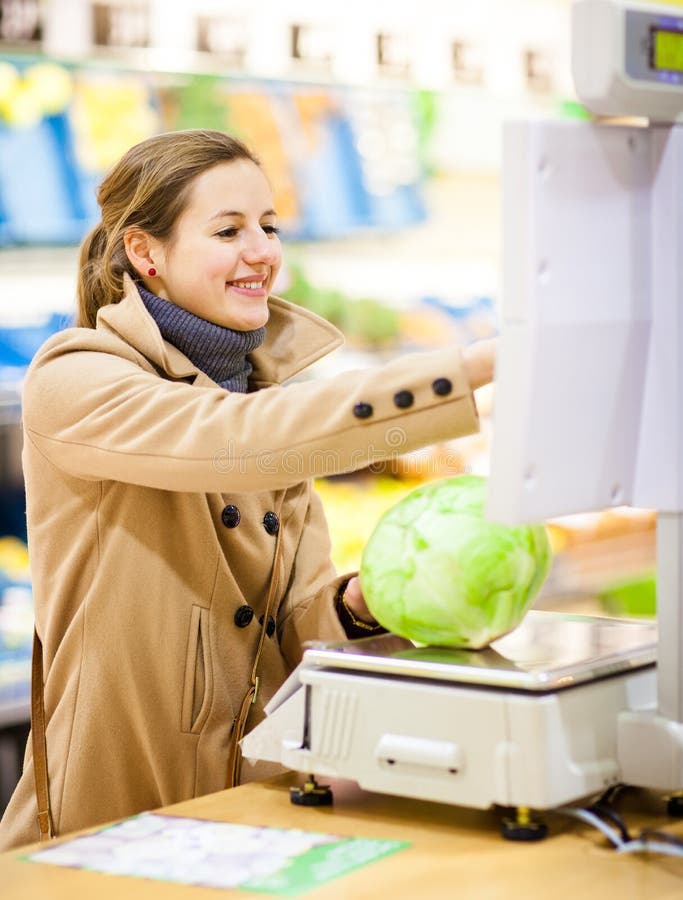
(659, 482)
(574, 343)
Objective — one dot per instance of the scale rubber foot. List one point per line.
(311, 794)
(512, 830)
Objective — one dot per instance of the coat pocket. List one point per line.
(197, 684)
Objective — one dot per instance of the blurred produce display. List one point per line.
(342, 160)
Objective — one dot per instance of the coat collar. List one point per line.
(295, 338)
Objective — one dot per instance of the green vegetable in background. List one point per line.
(363, 319)
(370, 321)
(435, 571)
(634, 597)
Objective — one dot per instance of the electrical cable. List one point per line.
(639, 846)
(591, 818)
(606, 812)
(650, 840)
(655, 833)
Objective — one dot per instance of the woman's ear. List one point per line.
(140, 250)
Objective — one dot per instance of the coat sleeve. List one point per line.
(98, 415)
(307, 610)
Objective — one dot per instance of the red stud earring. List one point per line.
(151, 271)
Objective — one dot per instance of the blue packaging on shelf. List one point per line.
(40, 192)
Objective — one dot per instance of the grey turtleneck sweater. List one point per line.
(220, 353)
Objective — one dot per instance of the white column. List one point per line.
(670, 615)
(659, 472)
(67, 28)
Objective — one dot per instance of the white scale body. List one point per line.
(471, 728)
(588, 414)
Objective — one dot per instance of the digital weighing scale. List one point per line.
(521, 723)
(588, 414)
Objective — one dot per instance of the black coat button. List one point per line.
(270, 626)
(243, 616)
(404, 399)
(231, 517)
(362, 410)
(271, 523)
(442, 387)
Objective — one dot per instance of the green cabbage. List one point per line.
(436, 571)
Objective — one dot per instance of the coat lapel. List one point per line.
(295, 338)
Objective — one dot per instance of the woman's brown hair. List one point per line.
(148, 189)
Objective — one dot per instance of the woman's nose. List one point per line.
(260, 247)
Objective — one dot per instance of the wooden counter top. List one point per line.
(457, 853)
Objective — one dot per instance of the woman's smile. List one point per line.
(249, 287)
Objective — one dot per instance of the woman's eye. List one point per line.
(227, 232)
(271, 229)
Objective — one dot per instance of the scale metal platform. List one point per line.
(548, 651)
(531, 721)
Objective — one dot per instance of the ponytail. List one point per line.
(100, 275)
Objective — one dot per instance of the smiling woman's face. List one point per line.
(225, 253)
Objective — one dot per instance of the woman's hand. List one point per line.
(353, 598)
(480, 359)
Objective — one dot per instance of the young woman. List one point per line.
(179, 555)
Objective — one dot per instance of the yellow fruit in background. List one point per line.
(52, 86)
(110, 114)
(22, 108)
(9, 77)
(43, 89)
(557, 537)
(13, 557)
(352, 508)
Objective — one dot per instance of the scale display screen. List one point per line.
(667, 50)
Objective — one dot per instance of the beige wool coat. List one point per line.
(154, 499)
